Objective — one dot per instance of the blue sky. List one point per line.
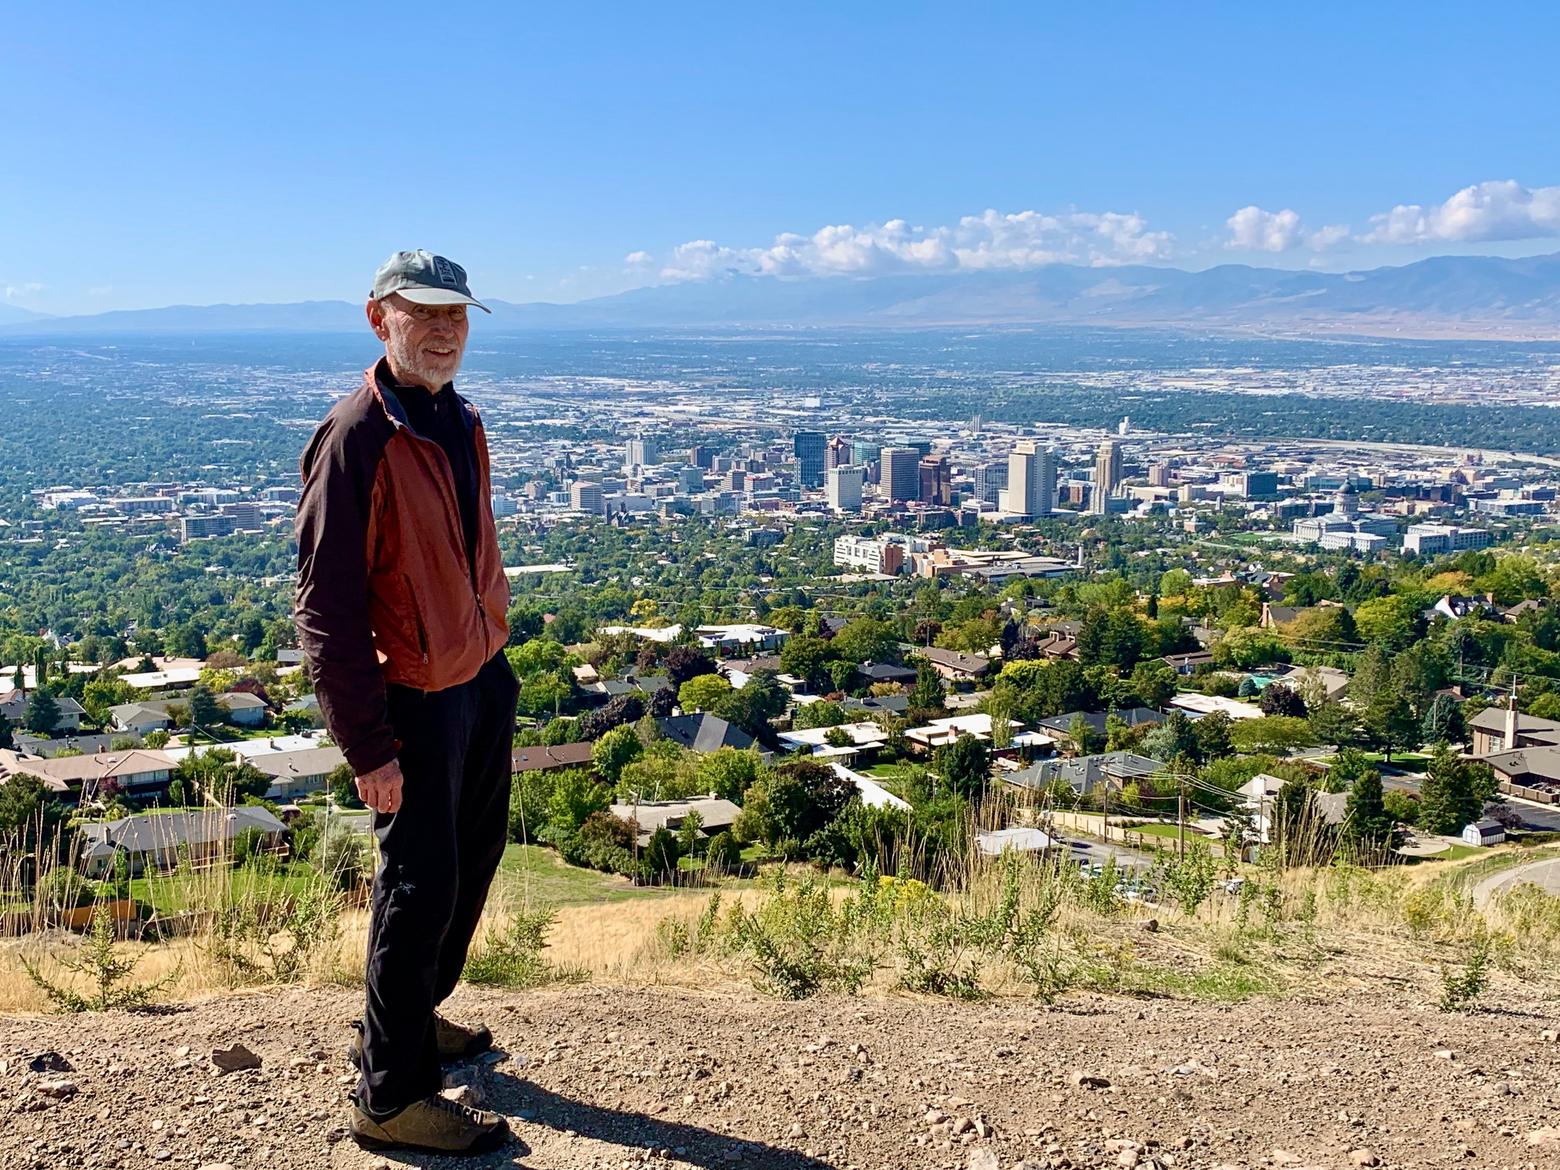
(200, 153)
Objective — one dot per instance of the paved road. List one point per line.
(1543, 874)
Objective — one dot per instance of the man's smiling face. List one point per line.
(424, 343)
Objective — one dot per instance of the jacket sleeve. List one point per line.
(331, 609)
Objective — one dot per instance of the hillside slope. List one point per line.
(607, 1077)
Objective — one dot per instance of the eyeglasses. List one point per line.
(454, 314)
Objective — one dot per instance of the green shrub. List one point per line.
(512, 957)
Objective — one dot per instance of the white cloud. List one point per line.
(1254, 230)
(15, 291)
(1498, 209)
(1025, 239)
(638, 259)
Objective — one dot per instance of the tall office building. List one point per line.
(1158, 475)
(585, 496)
(837, 453)
(990, 478)
(935, 476)
(640, 453)
(1107, 475)
(702, 456)
(865, 451)
(842, 487)
(901, 474)
(808, 447)
(1031, 479)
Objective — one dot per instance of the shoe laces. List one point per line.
(464, 1112)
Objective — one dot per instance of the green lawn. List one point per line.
(1407, 761)
(540, 876)
(1158, 829)
(177, 893)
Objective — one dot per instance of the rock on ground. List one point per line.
(612, 1077)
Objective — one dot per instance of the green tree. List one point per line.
(807, 659)
(1443, 721)
(618, 748)
(1272, 733)
(1393, 621)
(703, 692)
(1111, 637)
(42, 716)
(1453, 792)
(1214, 736)
(1390, 722)
(728, 772)
(30, 817)
(575, 795)
(1367, 824)
(964, 765)
(864, 640)
(927, 694)
(752, 705)
(7, 734)
(1153, 682)
(205, 711)
(823, 713)
(342, 786)
(1085, 740)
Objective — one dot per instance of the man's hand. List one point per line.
(381, 788)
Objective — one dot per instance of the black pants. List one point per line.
(438, 855)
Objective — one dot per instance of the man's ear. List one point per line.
(376, 319)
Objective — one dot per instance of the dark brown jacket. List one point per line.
(387, 589)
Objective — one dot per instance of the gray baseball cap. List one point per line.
(424, 279)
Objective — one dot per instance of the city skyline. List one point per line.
(570, 157)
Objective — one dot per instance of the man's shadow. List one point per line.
(536, 1106)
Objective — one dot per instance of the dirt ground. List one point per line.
(609, 1077)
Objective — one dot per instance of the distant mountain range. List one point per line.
(1474, 296)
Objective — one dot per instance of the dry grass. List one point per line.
(1300, 931)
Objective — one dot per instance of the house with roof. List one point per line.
(1198, 705)
(885, 672)
(703, 732)
(977, 723)
(137, 773)
(715, 815)
(179, 678)
(550, 757)
(1259, 797)
(956, 665)
(872, 794)
(1504, 729)
(996, 842)
(1329, 680)
(243, 709)
(297, 772)
(1187, 665)
(140, 718)
(156, 841)
(1060, 726)
(865, 736)
(1086, 775)
(13, 705)
(1453, 607)
(45, 746)
(1517, 612)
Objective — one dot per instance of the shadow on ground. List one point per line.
(631, 1132)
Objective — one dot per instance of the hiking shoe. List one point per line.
(456, 1041)
(435, 1124)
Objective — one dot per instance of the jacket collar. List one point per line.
(377, 379)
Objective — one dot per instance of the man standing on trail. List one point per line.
(401, 612)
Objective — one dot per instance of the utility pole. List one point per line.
(1180, 816)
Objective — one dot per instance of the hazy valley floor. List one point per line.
(607, 1077)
